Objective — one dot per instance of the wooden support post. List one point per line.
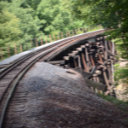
(71, 56)
(78, 30)
(54, 37)
(92, 61)
(61, 35)
(69, 33)
(79, 61)
(109, 73)
(31, 44)
(85, 30)
(87, 58)
(15, 49)
(36, 42)
(75, 32)
(106, 49)
(46, 39)
(106, 80)
(75, 59)
(1, 54)
(84, 62)
(41, 42)
(8, 51)
(50, 38)
(66, 34)
(112, 70)
(75, 62)
(58, 36)
(67, 58)
(100, 59)
(21, 48)
(113, 48)
(104, 74)
(86, 54)
(110, 45)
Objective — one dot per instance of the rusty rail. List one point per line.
(16, 70)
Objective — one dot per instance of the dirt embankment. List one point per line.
(51, 97)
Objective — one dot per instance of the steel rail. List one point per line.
(10, 89)
(22, 59)
(7, 97)
(12, 86)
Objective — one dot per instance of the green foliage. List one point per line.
(55, 16)
(30, 3)
(29, 23)
(121, 73)
(23, 21)
(112, 14)
(9, 28)
(120, 104)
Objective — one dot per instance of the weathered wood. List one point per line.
(61, 62)
(79, 49)
(106, 80)
(1, 54)
(84, 63)
(66, 57)
(58, 98)
(8, 51)
(36, 42)
(15, 49)
(79, 61)
(21, 48)
(92, 61)
(41, 42)
(50, 37)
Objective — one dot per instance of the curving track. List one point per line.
(12, 74)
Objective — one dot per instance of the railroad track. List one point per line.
(12, 74)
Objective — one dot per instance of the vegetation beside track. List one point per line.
(119, 103)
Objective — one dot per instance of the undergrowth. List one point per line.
(120, 104)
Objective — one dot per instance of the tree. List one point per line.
(23, 21)
(9, 28)
(29, 22)
(112, 14)
(56, 16)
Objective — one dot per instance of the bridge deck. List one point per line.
(17, 56)
(60, 96)
(53, 97)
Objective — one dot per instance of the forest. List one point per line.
(113, 16)
(22, 21)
